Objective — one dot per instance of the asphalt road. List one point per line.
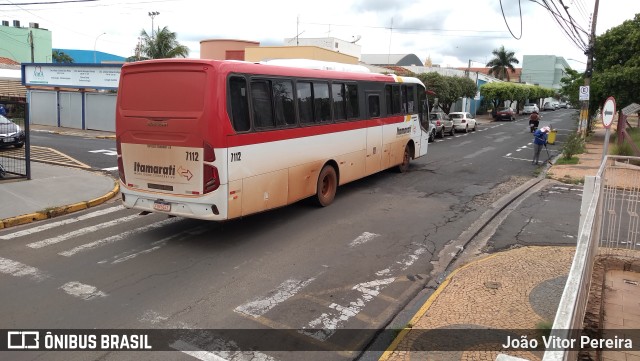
(353, 265)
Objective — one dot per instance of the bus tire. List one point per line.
(327, 186)
(406, 159)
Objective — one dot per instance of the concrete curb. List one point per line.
(61, 210)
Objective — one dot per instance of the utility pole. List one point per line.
(584, 111)
(31, 45)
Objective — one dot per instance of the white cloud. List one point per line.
(451, 32)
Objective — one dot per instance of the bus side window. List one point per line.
(339, 102)
(261, 100)
(404, 99)
(388, 97)
(396, 101)
(239, 104)
(374, 106)
(411, 97)
(322, 103)
(353, 109)
(283, 102)
(305, 102)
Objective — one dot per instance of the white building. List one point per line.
(333, 44)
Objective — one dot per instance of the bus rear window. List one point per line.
(163, 91)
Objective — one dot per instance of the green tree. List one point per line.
(161, 45)
(61, 57)
(502, 63)
(616, 68)
(447, 89)
(570, 85)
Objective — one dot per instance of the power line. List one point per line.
(48, 2)
(505, 20)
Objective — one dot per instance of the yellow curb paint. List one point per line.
(24, 219)
(106, 197)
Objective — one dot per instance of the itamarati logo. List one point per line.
(154, 170)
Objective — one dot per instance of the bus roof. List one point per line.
(312, 71)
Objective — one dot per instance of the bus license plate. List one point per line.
(162, 206)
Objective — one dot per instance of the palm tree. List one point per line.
(59, 56)
(162, 44)
(502, 63)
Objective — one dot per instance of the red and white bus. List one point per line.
(218, 140)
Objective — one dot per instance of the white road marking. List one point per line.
(184, 347)
(158, 244)
(383, 272)
(407, 262)
(327, 323)
(118, 237)
(508, 154)
(80, 290)
(104, 151)
(526, 160)
(44, 227)
(153, 317)
(81, 231)
(17, 269)
(110, 169)
(363, 238)
(286, 290)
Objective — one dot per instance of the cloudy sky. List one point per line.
(450, 32)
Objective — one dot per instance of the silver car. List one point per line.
(463, 121)
(530, 108)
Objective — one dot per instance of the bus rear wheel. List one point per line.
(327, 186)
(406, 159)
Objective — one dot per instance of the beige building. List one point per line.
(225, 49)
(297, 52)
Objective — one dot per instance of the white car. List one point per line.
(530, 108)
(462, 121)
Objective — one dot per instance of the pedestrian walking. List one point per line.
(539, 141)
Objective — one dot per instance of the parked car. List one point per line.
(442, 124)
(548, 106)
(562, 105)
(530, 108)
(506, 114)
(463, 121)
(432, 132)
(10, 133)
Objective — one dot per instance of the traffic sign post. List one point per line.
(583, 96)
(608, 112)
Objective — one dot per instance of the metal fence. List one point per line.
(608, 225)
(14, 142)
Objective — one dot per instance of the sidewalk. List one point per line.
(54, 190)
(518, 289)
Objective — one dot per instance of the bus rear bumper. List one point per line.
(204, 207)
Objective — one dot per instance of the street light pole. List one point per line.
(153, 14)
(94, 47)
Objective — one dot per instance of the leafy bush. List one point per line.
(574, 145)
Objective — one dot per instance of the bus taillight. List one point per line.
(120, 164)
(211, 180)
(209, 155)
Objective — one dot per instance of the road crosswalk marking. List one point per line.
(81, 231)
(47, 226)
(118, 237)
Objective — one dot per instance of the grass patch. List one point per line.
(572, 160)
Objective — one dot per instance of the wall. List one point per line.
(217, 48)
(543, 70)
(78, 110)
(15, 44)
(256, 54)
(332, 44)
